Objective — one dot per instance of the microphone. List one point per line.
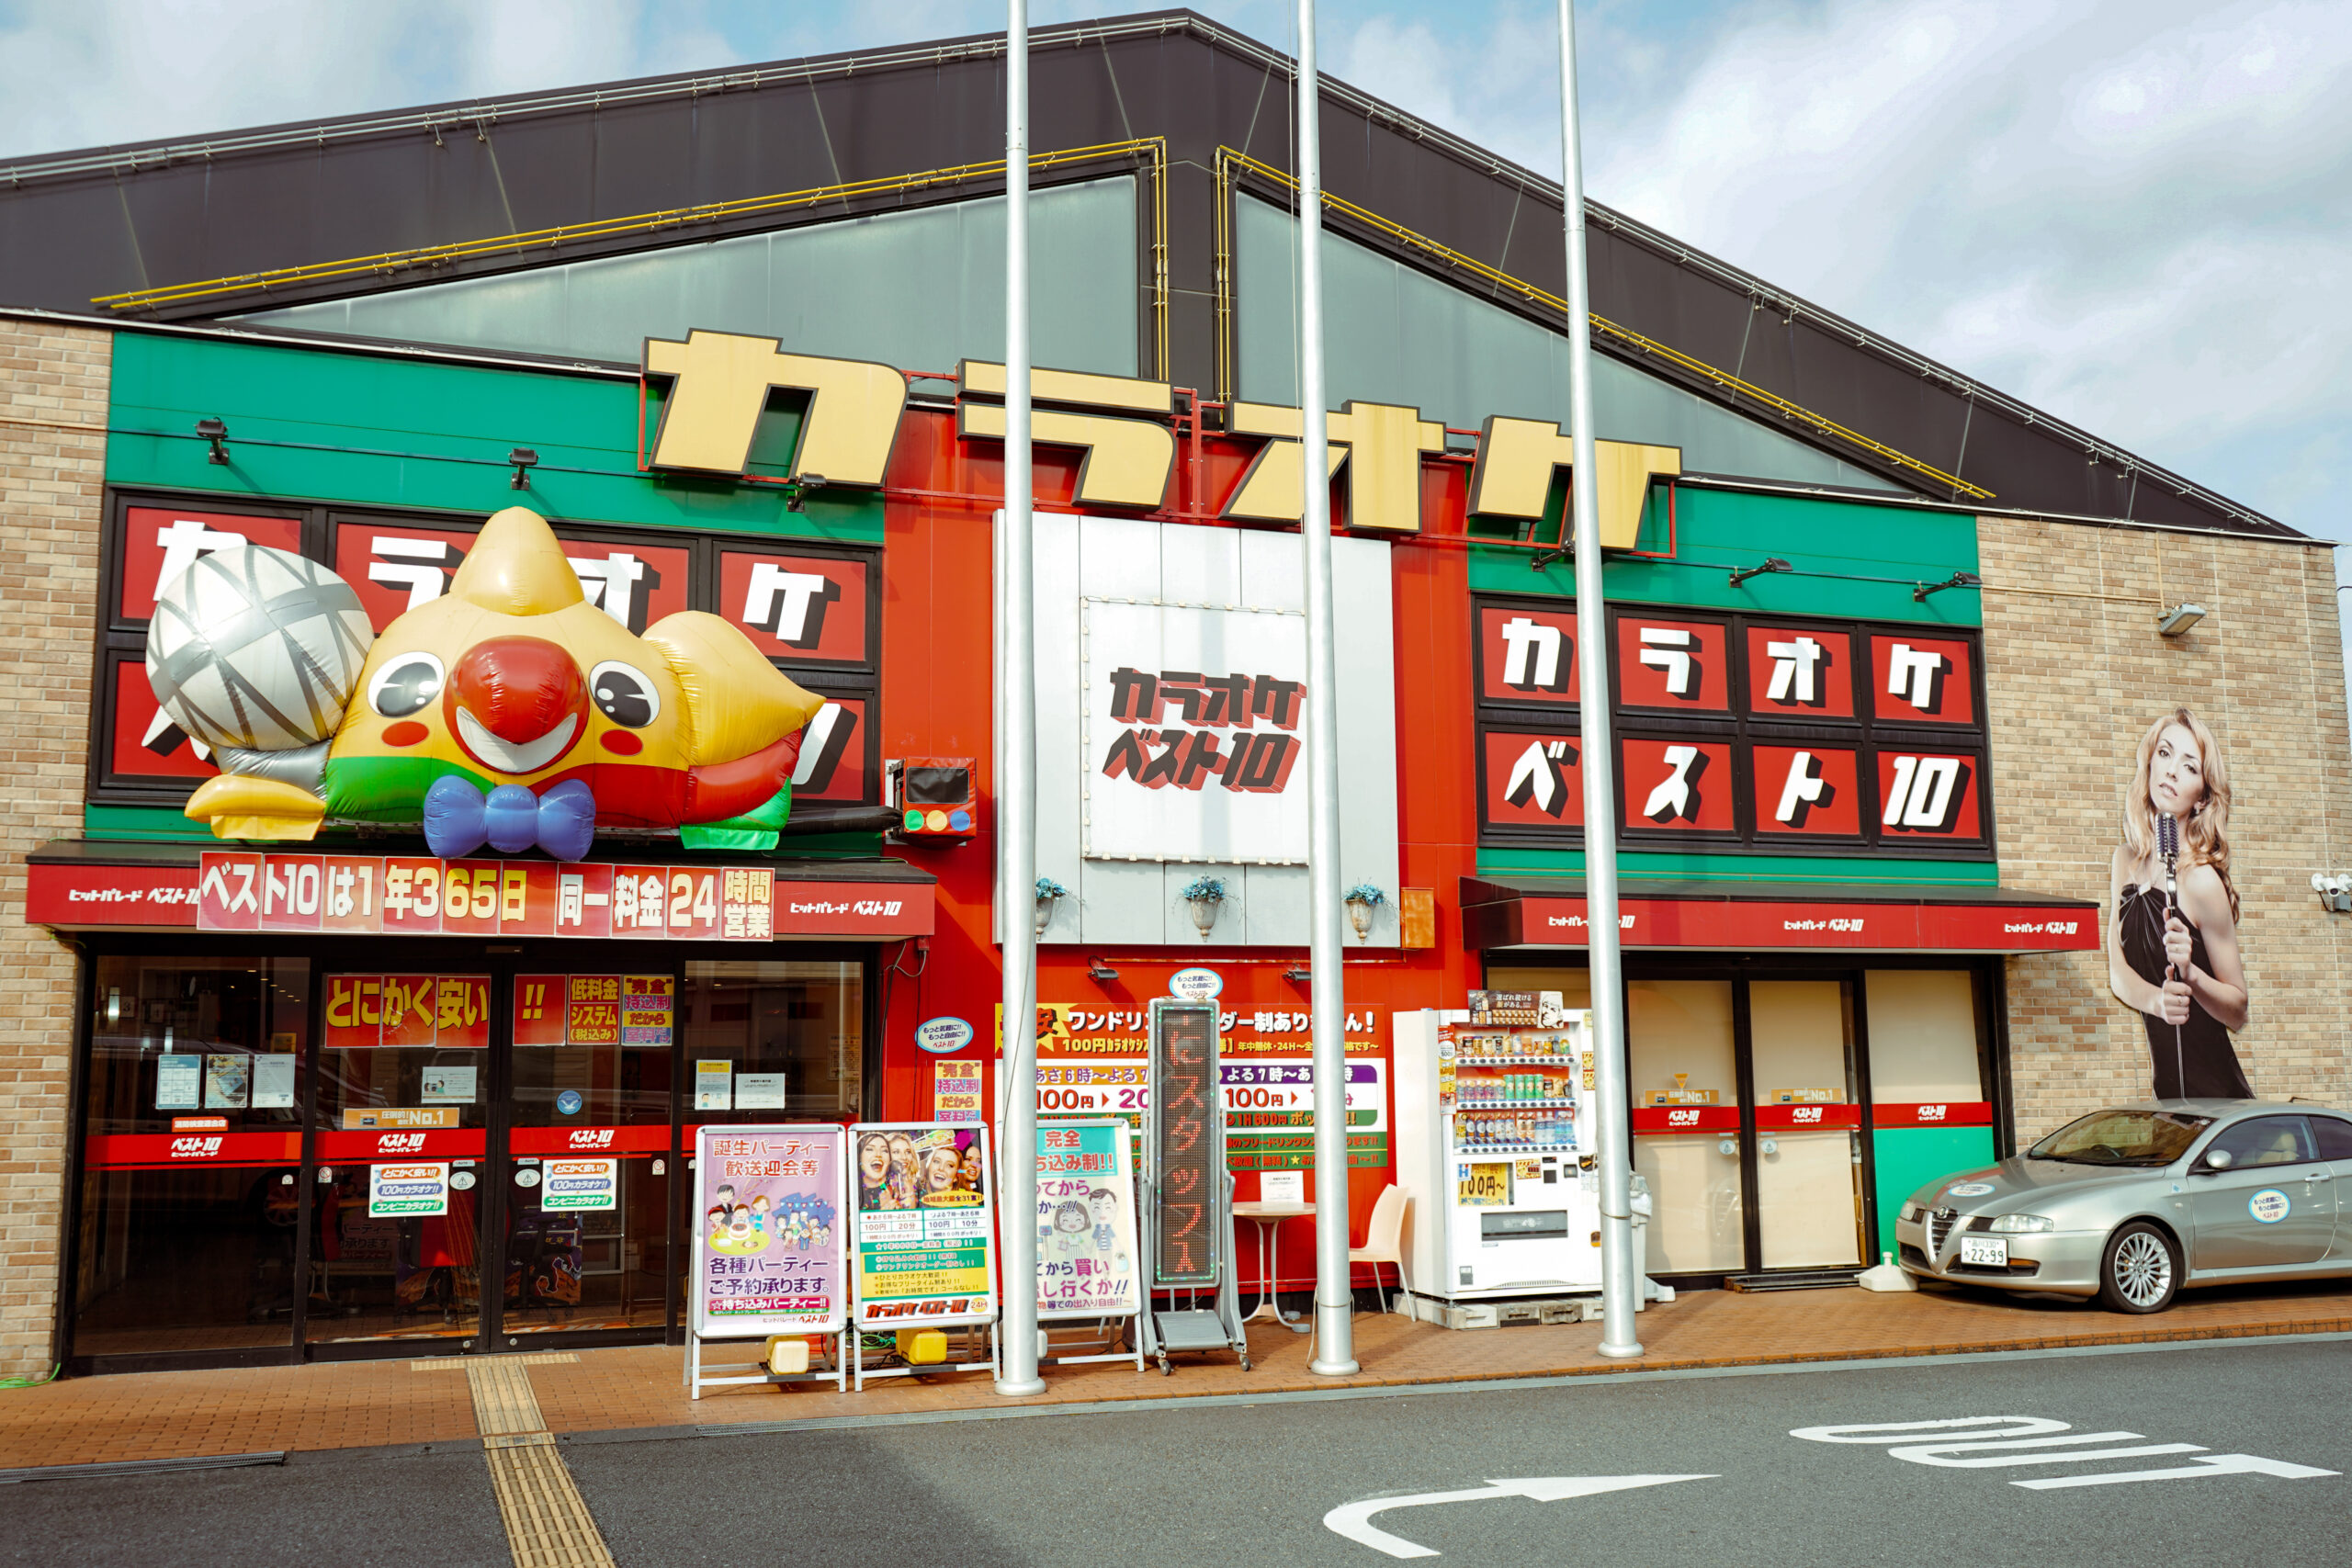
(2168, 846)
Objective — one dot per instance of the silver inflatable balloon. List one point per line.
(258, 649)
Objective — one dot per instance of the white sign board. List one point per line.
(1194, 727)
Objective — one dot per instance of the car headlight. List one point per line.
(2023, 1225)
(1912, 1210)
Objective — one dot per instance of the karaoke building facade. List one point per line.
(1887, 644)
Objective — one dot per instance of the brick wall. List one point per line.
(52, 468)
(2075, 672)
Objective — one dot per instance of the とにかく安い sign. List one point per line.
(926, 1230)
(412, 1190)
(1087, 1262)
(768, 1242)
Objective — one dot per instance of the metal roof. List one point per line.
(187, 229)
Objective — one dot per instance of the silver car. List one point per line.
(2135, 1203)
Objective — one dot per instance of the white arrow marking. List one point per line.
(1354, 1520)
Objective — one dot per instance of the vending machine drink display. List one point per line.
(1494, 1105)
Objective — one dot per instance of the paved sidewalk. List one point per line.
(373, 1403)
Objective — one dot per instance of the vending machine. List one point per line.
(1493, 1107)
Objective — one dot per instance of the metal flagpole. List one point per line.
(1335, 1353)
(1619, 1270)
(1016, 765)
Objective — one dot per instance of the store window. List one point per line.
(404, 1086)
(1684, 1065)
(191, 1155)
(774, 1041)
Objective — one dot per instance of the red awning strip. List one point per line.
(1736, 919)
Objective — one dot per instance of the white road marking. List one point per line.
(1354, 1520)
(1979, 1442)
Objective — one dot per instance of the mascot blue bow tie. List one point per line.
(459, 818)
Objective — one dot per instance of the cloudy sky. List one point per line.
(2136, 214)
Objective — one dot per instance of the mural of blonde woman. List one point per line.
(2172, 947)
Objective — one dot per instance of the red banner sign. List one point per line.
(646, 1140)
(1685, 1118)
(378, 1143)
(1934, 1113)
(151, 1151)
(419, 896)
(1805, 1118)
(1742, 924)
(78, 896)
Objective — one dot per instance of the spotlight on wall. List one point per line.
(1919, 591)
(1298, 974)
(1542, 559)
(2176, 621)
(524, 459)
(215, 431)
(1771, 563)
(1101, 974)
(2335, 893)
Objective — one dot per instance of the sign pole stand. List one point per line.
(1619, 1270)
(1017, 766)
(1334, 1301)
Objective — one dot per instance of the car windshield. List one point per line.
(2123, 1137)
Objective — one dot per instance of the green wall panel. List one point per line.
(1715, 530)
(1907, 1158)
(381, 431)
(1638, 865)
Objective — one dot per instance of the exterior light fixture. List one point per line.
(524, 458)
(2176, 621)
(1919, 591)
(796, 498)
(2335, 893)
(1101, 974)
(215, 430)
(1298, 974)
(1542, 559)
(1771, 563)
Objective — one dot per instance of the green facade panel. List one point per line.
(1907, 1158)
(374, 429)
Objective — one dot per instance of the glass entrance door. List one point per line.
(400, 1207)
(588, 1163)
(1684, 1085)
(1806, 1150)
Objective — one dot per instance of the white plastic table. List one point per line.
(1268, 1218)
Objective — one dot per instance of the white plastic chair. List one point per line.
(1384, 1240)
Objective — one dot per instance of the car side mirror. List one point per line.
(2217, 1159)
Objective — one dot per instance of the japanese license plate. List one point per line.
(1987, 1251)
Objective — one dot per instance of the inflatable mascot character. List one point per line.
(509, 712)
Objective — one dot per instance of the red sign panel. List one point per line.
(1799, 672)
(1527, 656)
(1809, 791)
(832, 752)
(1685, 1118)
(394, 569)
(1681, 785)
(380, 1144)
(153, 1151)
(145, 743)
(889, 910)
(444, 1012)
(1764, 924)
(158, 542)
(1918, 680)
(644, 1140)
(1934, 1113)
(74, 895)
(1805, 1118)
(1678, 666)
(800, 609)
(1928, 797)
(415, 896)
(1532, 780)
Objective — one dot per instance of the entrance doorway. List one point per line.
(479, 1150)
(1752, 1105)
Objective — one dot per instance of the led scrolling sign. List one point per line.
(1769, 733)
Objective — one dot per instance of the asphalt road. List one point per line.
(1253, 1483)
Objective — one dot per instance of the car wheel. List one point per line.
(2140, 1271)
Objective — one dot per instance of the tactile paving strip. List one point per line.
(548, 1522)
